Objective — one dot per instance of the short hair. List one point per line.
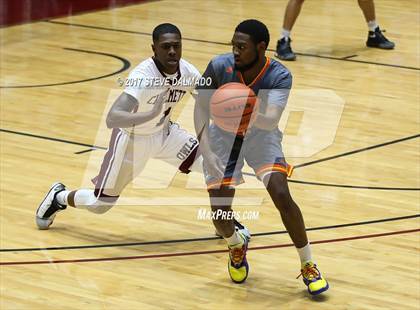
(164, 28)
(256, 30)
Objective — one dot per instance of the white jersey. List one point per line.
(145, 82)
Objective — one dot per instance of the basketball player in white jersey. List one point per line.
(140, 119)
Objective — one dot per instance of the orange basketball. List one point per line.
(234, 107)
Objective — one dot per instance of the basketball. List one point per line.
(234, 107)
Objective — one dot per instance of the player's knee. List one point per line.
(274, 179)
(282, 195)
(276, 184)
(102, 205)
(99, 209)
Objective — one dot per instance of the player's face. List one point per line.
(244, 51)
(168, 50)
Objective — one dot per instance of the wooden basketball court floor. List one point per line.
(359, 194)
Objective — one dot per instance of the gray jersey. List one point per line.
(260, 148)
(272, 85)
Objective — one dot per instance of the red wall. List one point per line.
(23, 11)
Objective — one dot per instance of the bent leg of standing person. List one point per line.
(117, 170)
(277, 186)
(264, 154)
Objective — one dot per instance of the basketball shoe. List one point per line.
(49, 207)
(238, 265)
(377, 39)
(284, 50)
(240, 228)
(313, 279)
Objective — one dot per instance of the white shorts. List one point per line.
(128, 154)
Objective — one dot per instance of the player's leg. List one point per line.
(221, 205)
(221, 192)
(265, 156)
(115, 173)
(222, 216)
(277, 187)
(58, 198)
(284, 50)
(181, 150)
(375, 35)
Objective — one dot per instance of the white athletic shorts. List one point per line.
(128, 154)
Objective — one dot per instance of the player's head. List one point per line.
(167, 46)
(249, 43)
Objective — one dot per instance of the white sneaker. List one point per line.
(49, 207)
(239, 227)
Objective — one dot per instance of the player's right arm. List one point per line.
(212, 163)
(121, 114)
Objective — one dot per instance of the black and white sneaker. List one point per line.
(378, 40)
(239, 227)
(49, 207)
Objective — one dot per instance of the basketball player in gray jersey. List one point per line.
(224, 153)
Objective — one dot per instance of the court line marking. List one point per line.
(93, 147)
(205, 238)
(355, 186)
(350, 56)
(85, 151)
(126, 65)
(228, 44)
(295, 167)
(20, 133)
(164, 255)
(358, 150)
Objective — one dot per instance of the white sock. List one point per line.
(234, 240)
(305, 254)
(372, 25)
(62, 197)
(285, 34)
(83, 198)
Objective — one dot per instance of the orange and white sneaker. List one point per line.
(238, 265)
(313, 279)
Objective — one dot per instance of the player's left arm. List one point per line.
(276, 103)
(270, 119)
